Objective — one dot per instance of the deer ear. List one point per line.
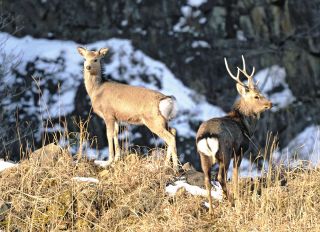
(241, 89)
(103, 51)
(82, 51)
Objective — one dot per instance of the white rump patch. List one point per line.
(168, 108)
(209, 147)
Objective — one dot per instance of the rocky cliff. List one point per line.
(192, 37)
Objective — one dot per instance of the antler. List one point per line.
(237, 78)
(244, 71)
(251, 84)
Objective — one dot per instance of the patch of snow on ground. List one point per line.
(102, 163)
(304, 147)
(86, 179)
(196, 3)
(5, 165)
(216, 191)
(271, 78)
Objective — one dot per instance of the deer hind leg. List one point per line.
(116, 141)
(222, 177)
(174, 157)
(160, 130)
(206, 164)
(235, 174)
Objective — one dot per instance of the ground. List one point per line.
(46, 193)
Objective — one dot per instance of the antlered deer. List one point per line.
(115, 103)
(219, 140)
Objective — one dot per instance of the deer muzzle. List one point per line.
(268, 105)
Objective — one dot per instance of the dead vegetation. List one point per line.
(40, 195)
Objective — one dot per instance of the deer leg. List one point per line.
(160, 130)
(235, 174)
(110, 134)
(222, 176)
(206, 163)
(116, 141)
(173, 131)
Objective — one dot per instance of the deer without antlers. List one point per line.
(115, 103)
(219, 140)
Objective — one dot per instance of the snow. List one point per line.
(186, 11)
(271, 78)
(86, 179)
(200, 44)
(216, 191)
(247, 169)
(304, 147)
(102, 163)
(5, 165)
(196, 3)
(240, 36)
(190, 14)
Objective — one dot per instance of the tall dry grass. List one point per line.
(130, 196)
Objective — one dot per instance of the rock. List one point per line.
(48, 155)
(4, 207)
(194, 177)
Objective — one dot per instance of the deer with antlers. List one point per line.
(115, 103)
(219, 140)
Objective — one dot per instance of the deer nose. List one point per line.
(88, 67)
(268, 105)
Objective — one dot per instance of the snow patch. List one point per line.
(304, 147)
(86, 179)
(6, 165)
(200, 44)
(273, 78)
(196, 3)
(216, 191)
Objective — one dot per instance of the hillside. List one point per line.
(47, 193)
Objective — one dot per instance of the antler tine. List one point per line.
(237, 78)
(244, 71)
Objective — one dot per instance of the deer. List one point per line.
(116, 103)
(219, 140)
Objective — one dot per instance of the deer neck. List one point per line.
(246, 118)
(92, 82)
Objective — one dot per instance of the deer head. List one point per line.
(252, 101)
(92, 59)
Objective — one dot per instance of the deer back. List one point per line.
(228, 131)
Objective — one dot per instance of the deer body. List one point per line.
(123, 105)
(219, 140)
(116, 103)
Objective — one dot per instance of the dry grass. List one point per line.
(131, 197)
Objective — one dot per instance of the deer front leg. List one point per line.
(110, 134)
(116, 141)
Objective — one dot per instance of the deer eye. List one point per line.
(95, 60)
(256, 97)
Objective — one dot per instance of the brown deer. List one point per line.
(115, 103)
(219, 140)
